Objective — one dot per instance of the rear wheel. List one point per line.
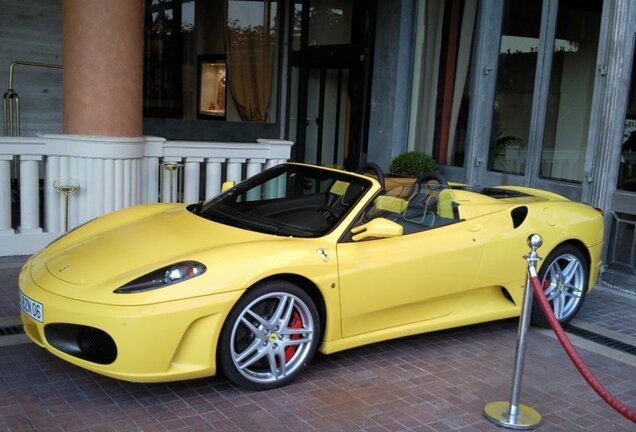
(564, 277)
(270, 336)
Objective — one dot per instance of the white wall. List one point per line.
(31, 30)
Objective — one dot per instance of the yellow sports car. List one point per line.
(298, 258)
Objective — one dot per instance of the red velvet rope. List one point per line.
(575, 357)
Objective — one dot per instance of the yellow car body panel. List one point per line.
(468, 271)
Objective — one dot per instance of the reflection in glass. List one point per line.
(571, 88)
(297, 19)
(251, 45)
(177, 33)
(168, 52)
(515, 86)
(621, 255)
(213, 89)
(440, 122)
(330, 22)
(627, 173)
(328, 106)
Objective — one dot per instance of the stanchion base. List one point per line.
(499, 414)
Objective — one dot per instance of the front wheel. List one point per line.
(269, 337)
(564, 277)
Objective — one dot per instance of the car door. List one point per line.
(402, 280)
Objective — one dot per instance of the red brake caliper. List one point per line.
(294, 322)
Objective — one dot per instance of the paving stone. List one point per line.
(433, 382)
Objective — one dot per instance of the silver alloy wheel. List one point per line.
(272, 337)
(563, 284)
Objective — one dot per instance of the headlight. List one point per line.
(165, 276)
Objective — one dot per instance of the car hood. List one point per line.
(125, 245)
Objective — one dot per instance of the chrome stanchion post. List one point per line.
(174, 172)
(67, 187)
(513, 414)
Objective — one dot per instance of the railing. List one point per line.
(11, 101)
(111, 173)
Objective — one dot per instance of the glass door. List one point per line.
(329, 82)
(327, 113)
(514, 92)
(621, 242)
(541, 94)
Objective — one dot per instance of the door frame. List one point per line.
(484, 82)
(357, 57)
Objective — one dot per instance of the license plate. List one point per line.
(32, 308)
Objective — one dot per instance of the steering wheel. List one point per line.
(374, 169)
(428, 176)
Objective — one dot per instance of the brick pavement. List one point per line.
(432, 382)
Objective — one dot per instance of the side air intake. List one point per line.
(518, 215)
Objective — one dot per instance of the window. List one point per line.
(440, 122)
(168, 53)
(571, 88)
(627, 173)
(198, 65)
(515, 87)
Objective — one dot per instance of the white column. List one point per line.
(82, 203)
(253, 168)
(98, 186)
(151, 177)
(171, 179)
(270, 163)
(234, 169)
(135, 188)
(192, 180)
(5, 194)
(52, 211)
(127, 185)
(119, 184)
(213, 177)
(29, 194)
(109, 185)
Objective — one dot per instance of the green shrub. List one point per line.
(412, 164)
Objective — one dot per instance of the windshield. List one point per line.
(288, 200)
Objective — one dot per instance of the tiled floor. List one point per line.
(434, 382)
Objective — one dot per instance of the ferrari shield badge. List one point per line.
(323, 254)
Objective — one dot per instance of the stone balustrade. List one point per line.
(112, 173)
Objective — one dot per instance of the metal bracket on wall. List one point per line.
(11, 102)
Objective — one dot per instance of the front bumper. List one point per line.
(166, 341)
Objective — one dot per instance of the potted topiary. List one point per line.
(412, 164)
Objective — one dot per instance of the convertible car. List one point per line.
(296, 259)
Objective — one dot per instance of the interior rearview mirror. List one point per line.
(227, 185)
(377, 228)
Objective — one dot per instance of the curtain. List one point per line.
(434, 17)
(250, 52)
(461, 72)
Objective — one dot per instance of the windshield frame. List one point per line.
(313, 202)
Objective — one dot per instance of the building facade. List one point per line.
(538, 93)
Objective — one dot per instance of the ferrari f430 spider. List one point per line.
(296, 259)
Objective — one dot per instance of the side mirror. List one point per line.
(378, 228)
(227, 185)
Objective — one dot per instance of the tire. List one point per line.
(564, 276)
(270, 336)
